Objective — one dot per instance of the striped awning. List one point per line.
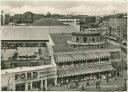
(67, 57)
(84, 70)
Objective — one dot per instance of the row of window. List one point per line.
(82, 64)
(87, 47)
(15, 45)
(89, 62)
(85, 39)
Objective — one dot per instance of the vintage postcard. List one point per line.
(63, 45)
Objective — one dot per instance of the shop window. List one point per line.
(13, 65)
(4, 88)
(84, 39)
(29, 87)
(36, 85)
(50, 82)
(20, 87)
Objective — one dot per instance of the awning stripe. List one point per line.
(84, 70)
(80, 56)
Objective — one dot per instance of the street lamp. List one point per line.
(125, 84)
(9, 83)
(99, 81)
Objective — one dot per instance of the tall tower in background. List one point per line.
(2, 18)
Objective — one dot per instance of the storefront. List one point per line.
(34, 78)
(84, 73)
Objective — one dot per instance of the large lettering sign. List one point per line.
(26, 75)
(34, 74)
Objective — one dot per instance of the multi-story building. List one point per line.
(2, 16)
(118, 27)
(26, 59)
(86, 56)
(69, 21)
(27, 18)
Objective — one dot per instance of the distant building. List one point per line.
(48, 22)
(26, 59)
(118, 27)
(27, 17)
(87, 19)
(69, 21)
(2, 18)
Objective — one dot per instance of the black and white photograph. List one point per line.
(63, 45)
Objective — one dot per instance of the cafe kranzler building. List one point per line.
(89, 56)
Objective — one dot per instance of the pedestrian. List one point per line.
(77, 84)
(115, 78)
(44, 88)
(94, 80)
(118, 74)
(96, 84)
(67, 81)
(107, 79)
(82, 86)
(87, 83)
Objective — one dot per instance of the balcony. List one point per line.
(83, 64)
(78, 43)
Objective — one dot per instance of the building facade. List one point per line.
(28, 78)
(91, 58)
(27, 18)
(118, 27)
(69, 21)
(26, 59)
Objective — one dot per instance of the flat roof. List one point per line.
(24, 33)
(60, 43)
(88, 32)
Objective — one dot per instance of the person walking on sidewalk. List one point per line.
(82, 86)
(107, 79)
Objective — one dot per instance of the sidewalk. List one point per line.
(112, 85)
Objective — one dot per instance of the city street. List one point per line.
(112, 85)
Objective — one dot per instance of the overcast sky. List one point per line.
(87, 7)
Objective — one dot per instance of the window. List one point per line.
(50, 82)
(4, 88)
(84, 39)
(20, 87)
(93, 40)
(77, 39)
(43, 45)
(36, 85)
